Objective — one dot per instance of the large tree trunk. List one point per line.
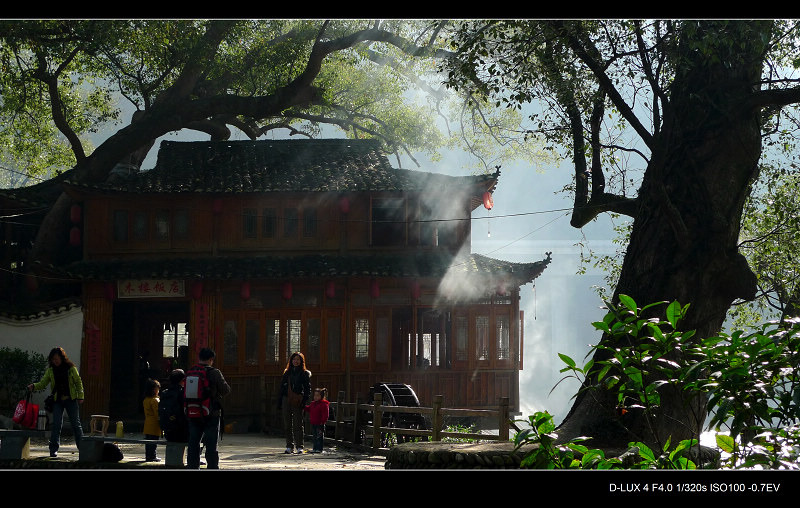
(683, 244)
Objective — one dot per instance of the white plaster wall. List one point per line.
(64, 329)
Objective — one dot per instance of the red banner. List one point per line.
(201, 326)
(151, 288)
(93, 349)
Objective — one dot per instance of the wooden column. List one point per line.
(96, 351)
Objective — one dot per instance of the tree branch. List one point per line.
(598, 178)
(176, 109)
(782, 97)
(202, 54)
(599, 203)
(215, 128)
(381, 59)
(586, 208)
(587, 52)
(658, 93)
(57, 106)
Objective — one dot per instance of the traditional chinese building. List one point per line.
(262, 248)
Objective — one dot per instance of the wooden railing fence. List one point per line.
(352, 423)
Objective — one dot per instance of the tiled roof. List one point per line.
(306, 165)
(307, 266)
(38, 311)
(41, 195)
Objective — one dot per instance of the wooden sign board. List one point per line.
(151, 288)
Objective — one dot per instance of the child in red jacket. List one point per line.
(318, 412)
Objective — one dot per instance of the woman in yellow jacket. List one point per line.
(67, 389)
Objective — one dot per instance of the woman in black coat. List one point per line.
(294, 394)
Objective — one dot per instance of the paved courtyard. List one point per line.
(237, 452)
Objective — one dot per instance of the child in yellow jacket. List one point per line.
(152, 429)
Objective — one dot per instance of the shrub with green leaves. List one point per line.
(546, 453)
(750, 381)
(753, 389)
(638, 358)
(18, 369)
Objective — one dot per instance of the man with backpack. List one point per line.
(204, 388)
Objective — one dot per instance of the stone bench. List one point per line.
(439, 455)
(91, 449)
(16, 444)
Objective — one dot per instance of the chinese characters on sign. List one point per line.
(150, 288)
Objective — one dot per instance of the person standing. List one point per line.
(295, 390)
(171, 415)
(67, 389)
(152, 430)
(318, 412)
(205, 388)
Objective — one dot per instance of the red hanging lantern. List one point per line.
(374, 288)
(488, 202)
(415, 290)
(245, 291)
(197, 289)
(344, 205)
(75, 213)
(75, 236)
(108, 291)
(217, 206)
(286, 291)
(330, 289)
(31, 283)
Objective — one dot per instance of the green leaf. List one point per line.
(644, 451)
(628, 302)
(566, 359)
(591, 458)
(726, 443)
(674, 314)
(652, 305)
(682, 446)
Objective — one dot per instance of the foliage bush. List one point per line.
(461, 429)
(18, 369)
(753, 389)
(750, 381)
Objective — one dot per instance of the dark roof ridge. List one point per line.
(297, 165)
(390, 264)
(340, 141)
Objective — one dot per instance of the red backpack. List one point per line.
(197, 395)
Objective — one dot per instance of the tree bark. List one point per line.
(683, 244)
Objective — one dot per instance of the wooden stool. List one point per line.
(103, 420)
